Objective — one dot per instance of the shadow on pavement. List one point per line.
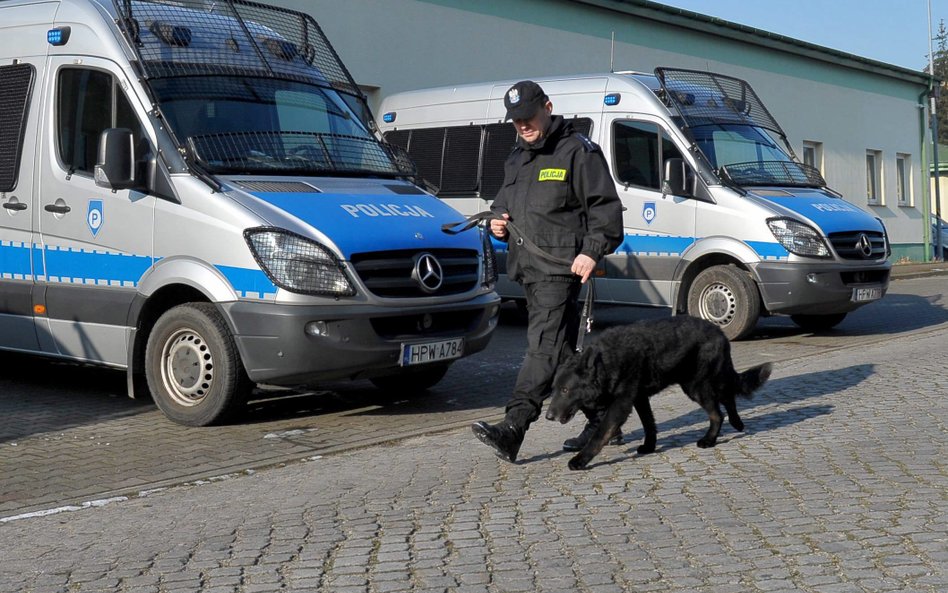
(39, 395)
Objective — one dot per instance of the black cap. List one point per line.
(524, 99)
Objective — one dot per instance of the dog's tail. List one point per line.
(753, 378)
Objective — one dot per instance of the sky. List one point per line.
(890, 31)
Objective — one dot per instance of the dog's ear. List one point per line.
(592, 361)
(597, 367)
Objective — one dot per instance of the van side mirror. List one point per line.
(115, 167)
(678, 179)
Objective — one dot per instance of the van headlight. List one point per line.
(798, 238)
(489, 265)
(298, 264)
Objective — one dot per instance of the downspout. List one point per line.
(927, 170)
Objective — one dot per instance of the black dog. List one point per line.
(629, 364)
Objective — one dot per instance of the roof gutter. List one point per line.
(694, 21)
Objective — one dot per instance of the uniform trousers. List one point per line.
(551, 336)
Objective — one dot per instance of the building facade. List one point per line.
(863, 123)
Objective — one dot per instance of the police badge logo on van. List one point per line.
(648, 212)
(95, 216)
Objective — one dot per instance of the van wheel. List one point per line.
(193, 368)
(727, 297)
(818, 323)
(412, 381)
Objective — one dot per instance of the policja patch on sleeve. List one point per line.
(552, 175)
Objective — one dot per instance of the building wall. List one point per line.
(396, 45)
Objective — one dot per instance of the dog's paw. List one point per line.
(577, 463)
(646, 449)
(706, 443)
(737, 423)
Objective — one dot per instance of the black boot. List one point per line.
(579, 441)
(504, 437)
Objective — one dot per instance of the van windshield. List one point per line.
(237, 125)
(749, 156)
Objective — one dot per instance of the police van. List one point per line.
(195, 192)
(721, 220)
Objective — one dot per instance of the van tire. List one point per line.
(184, 337)
(727, 297)
(412, 381)
(818, 323)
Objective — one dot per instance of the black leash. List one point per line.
(585, 318)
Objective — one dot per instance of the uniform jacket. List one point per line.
(559, 193)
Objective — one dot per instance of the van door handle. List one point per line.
(15, 205)
(57, 208)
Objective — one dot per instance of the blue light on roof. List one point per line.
(612, 99)
(389, 117)
(58, 36)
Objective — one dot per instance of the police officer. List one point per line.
(558, 192)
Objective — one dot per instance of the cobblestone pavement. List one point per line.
(68, 434)
(839, 485)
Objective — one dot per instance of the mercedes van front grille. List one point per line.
(859, 244)
(410, 274)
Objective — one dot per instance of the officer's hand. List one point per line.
(498, 227)
(583, 266)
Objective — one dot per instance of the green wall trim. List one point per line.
(905, 252)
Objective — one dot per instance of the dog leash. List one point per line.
(586, 317)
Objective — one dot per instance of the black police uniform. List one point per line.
(559, 193)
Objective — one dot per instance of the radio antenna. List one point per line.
(612, 54)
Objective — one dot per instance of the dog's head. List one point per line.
(576, 385)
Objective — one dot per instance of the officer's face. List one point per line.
(533, 129)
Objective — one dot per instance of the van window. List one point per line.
(16, 87)
(640, 150)
(89, 102)
(464, 160)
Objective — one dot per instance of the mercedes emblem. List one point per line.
(864, 245)
(427, 272)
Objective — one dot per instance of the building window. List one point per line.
(813, 154)
(903, 179)
(874, 177)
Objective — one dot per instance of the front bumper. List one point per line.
(358, 341)
(817, 289)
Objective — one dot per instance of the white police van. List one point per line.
(194, 192)
(721, 219)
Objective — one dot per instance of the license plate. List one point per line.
(861, 295)
(431, 351)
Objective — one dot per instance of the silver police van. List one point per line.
(194, 191)
(721, 220)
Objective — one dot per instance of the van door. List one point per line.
(96, 242)
(17, 144)
(658, 228)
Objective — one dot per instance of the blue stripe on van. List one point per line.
(39, 266)
(15, 260)
(664, 245)
(20, 260)
(92, 267)
(769, 250)
(248, 282)
(654, 245)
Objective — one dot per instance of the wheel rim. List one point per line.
(718, 304)
(187, 367)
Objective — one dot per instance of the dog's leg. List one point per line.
(617, 413)
(710, 405)
(732, 415)
(644, 409)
